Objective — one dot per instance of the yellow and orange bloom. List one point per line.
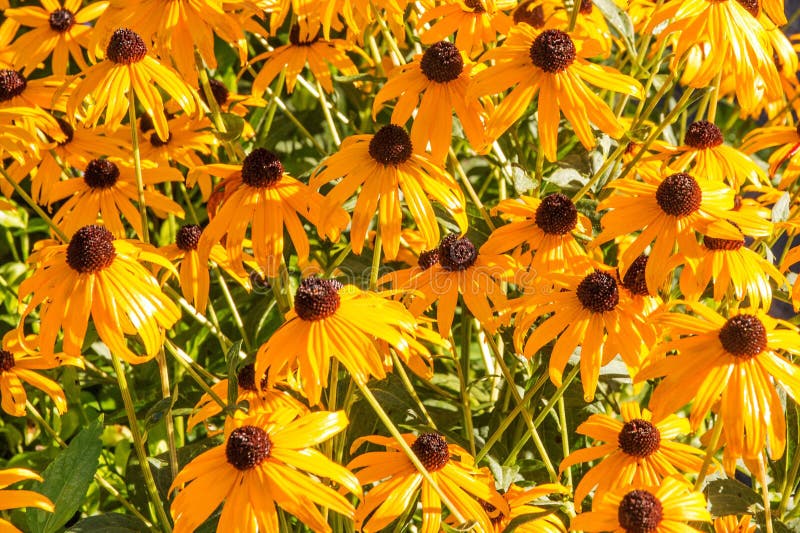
(14, 499)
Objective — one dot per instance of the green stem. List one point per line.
(376, 406)
(401, 371)
(529, 394)
(163, 371)
(101, 481)
(377, 246)
(789, 483)
(462, 369)
(137, 164)
(189, 365)
(762, 479)
(562, 419)
(470, 189)
(160, 516)
(526, 416)
(328, 117)
(33, 205)
(237, 318)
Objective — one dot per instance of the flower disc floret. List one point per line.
(640, 512)
(743, 336)
(679, 195)
(639, 438)
(553, 51)
(598, 292)
(247, 447)
(432, 451)
(91, 249)
(261, 168)
(556, 215)
(442, 62)
(391, 145)
(317, 298)
(126, 47)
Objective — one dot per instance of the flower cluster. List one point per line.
(233, 225)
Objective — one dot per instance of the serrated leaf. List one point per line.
(109, 523)
(67, 479)
(619, 20)
(567, 178)
(780, 211)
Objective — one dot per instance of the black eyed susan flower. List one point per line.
(590, 24)
(128, 67)
(177, 29)
(15, 499)
(304, 48)
(665, 508)
(98, 276)
(729, 265)
(188, 139)
(585, 310)
(108, 189)
(17, 90)
(458, 268)
(385, 165)
(57, 30)
(399, 482)
(635, 451)
(550, 63)
(704, 155)
(18, 365)
(332, 320)
(476, 23)
(193, 274)
(667, 210)
(259, 193)
(79, 146)
(259, 397)
(268, 461)
(787, 139)
(436, 83)
(734, 361)
(546, 227)
(719, 37)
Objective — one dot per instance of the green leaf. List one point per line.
(232, 357)
(728, 496)
(67, 479)
(109, 523)
(619, 20)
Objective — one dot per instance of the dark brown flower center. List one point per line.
(737, 202)
(432, 451)
(188, 237)
(552, 51)
(639, 438)
(428, 258)
(442, 62)
(126, 47)
(586, 7)
(391, 145)
(475, 5)
(702, 134)
(101, 174)
(634, 279)
(751, 6)
(246, 378)
(294, 37)
(317, 298)
(91, 250)
(494, 514)
(12, 84)
(598, 292)
(715, 244)
(457, 254)
(679, 195)
(146, 123)
(529, 14)
(743, 336)
(247, 447)
(261, 168)
(796, 128)
(7, 361)
(556, 214)
(218, 90)
(640, 512)
(61, 20)
(157, 142)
